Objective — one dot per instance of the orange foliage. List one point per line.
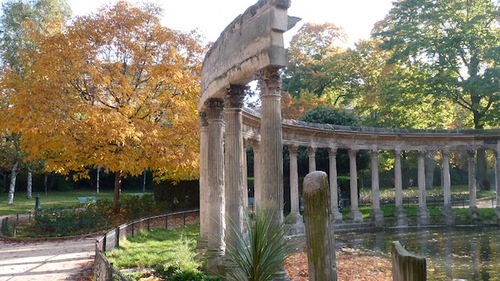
(115, 90)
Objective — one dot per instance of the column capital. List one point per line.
(215, 107)
(293, 148)
(270, 81)
(311, 151)
(421, 153)
(445, 152)
(352, 150)
(332, 151)
(471, 153)
(235, 96)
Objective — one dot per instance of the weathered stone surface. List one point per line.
(319, 232)
(407, 266)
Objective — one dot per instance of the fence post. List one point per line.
(319, 231)
(166, 221)
(407, 266)
(117, 237)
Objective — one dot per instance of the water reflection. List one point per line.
(462, 253)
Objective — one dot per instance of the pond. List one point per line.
(459, 253)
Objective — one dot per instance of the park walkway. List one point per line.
(58, 259)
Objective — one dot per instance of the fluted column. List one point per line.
(423, 212)
(448, 210)
(334, 195)
(355, 214)
(295, 218)
(376, 214)
(204, 189)
(271, 141)
(497, 178)
(311, 152)
(398, 185)
(235, 192)
(215, 173)
(473, 210)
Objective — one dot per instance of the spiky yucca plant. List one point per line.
(260, 254)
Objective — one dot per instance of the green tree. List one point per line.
(457, 45)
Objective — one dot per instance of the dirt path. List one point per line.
(46, 260)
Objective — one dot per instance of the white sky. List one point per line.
(356, 17)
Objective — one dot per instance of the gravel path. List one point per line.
(59, 259)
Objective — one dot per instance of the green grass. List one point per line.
(53, 199)
(169, 248)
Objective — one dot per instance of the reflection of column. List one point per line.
(423, 212)
(311, 152)
(334, 192)
(355, 214)
(448, 253)
(204, 191)
(497, 178)
(215, 173)
(295, 218)
(271, 142)
(377, 214)
(473, 210)
(448, 210)
(233, 163)
(398, 184)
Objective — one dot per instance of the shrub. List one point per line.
(64, 222)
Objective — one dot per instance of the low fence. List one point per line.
(407, 266)
(103, 269)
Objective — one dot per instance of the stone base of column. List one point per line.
(449, 215)
(356, 216)
(473, 213)
(377, 216)
(280, 276)
(337, 216)
(202, 246)
(215, 263)
(423, 216)
(295, 224)
(400, 216)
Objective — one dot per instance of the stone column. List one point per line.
(311, 152)
(423, 212)
(473, 210)
(256, 173)
(448, 210)
(234, 151)
(204, 189)
(271, 168)
(398, 186)
(355, 214)
(497, 178)
(215, 174)
(271, 162)
(334, 192)
(376, 214)
(295, 218)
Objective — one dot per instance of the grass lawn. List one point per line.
(53, 199)
(159, 249)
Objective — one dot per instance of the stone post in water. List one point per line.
(407, 266)
(319, 231)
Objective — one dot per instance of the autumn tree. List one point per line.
(19, 19)
(115, 90)
(457, 43)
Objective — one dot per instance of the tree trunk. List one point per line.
(118, 190)
(12, 187)
(482, 170)
(29, 188)
(144, 181)
(98, 179)
(429, 170)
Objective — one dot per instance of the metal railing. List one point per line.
(103, 269)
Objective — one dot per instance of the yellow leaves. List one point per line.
(117, 90)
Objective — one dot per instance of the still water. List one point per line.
(460, 253)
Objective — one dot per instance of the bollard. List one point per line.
(37, 203)
(319, 233)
